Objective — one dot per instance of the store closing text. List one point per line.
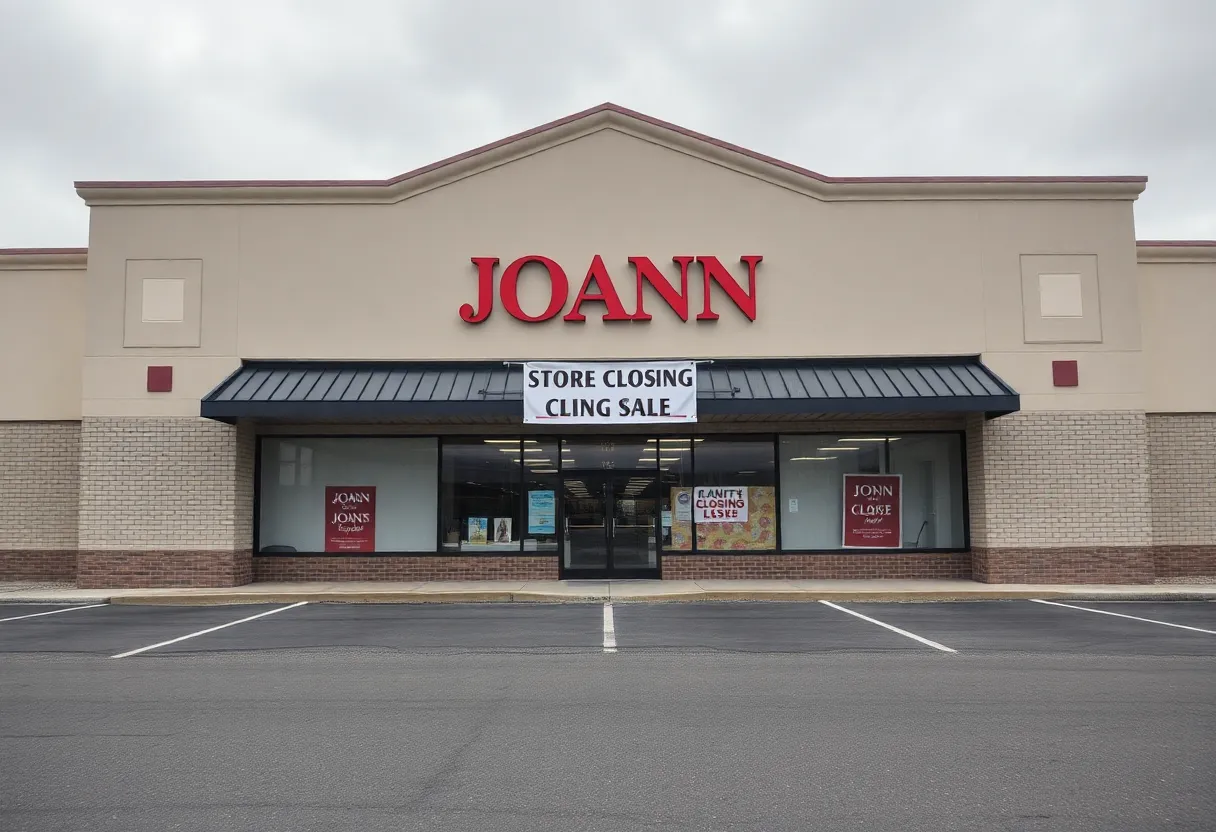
(610, 392)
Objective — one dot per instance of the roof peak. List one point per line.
(610, 115)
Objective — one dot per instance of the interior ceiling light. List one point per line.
(501, 441)
(867, 439)
(842, 448)
(809, 458)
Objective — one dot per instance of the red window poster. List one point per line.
(872, 516)
(350, 518)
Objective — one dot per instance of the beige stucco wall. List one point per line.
(385, 281)
(42, 322)
(1178, 300)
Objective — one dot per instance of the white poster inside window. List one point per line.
(610, 393)
(714, 504)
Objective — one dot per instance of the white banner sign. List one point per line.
(713, 504)
(617, 393)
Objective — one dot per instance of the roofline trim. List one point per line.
(14, 259)
(1176, 251)
(585, 122)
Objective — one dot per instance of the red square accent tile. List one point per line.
(160, 379)
(1064, 373)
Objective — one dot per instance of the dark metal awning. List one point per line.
(362, 391)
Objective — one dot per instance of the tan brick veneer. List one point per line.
(39, 493)
(1182, 476)
(165, 502)
(1061, 497)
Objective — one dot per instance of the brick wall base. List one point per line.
(1184, 561)
(819, 567)
(38, 565)
(1073, 565)
(405, 568)
(104, 569)
(1069, 565)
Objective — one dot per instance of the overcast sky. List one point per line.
(208, 89)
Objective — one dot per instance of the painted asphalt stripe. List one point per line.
(609, 630)
(1121, 615)
(893, 629)
(208, 630)
(52, 612)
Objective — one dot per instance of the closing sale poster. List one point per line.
(872, 511)
(610, 393)
(350, 518)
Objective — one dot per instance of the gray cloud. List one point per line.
(133, 89)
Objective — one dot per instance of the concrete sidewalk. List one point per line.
(598, 591)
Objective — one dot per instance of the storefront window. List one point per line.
(347, 495)
(509, 495)
(931, 465)
(675, 477)
(542, 485)
(734, 498)
(812, 486)
(480, 492)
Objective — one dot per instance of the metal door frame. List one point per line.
(609, 570)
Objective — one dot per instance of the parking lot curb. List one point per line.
(215, 599)
(1095, 597)
(514, 596)
(54, 600)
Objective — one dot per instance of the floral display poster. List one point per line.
(478, 529)
(759, 532)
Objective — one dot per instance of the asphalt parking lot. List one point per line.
(1004, 715)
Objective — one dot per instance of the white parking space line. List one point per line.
(893, 629)
(609, 630)
(208, 630)
(1122, 615)
(53, 612)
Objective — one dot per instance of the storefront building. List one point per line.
(609, 347)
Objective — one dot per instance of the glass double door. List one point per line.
(610, 524)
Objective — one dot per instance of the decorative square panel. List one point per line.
(164, 300)
(1060, 296)
(163, 305)
(1061, 301)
